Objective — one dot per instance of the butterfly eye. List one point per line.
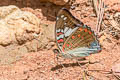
(56, 51)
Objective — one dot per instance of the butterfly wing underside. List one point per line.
(82, 42)
(65, 25)
(73, 37)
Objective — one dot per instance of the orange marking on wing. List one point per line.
(63, 47)
(86, 30)
(60, 40)
(73, 37)
(82, 37)
(59, 33)
(68, 45)
(80, 29)
(90, 32)
(78, 35)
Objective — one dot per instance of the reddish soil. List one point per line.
(41, 65)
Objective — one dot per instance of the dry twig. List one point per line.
(99, 12)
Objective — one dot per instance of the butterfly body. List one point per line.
(73, 38)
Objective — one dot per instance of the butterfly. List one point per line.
(73, 38)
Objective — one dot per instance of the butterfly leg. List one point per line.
(56, 57)
(83, 69)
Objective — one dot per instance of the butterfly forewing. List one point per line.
(66, 24)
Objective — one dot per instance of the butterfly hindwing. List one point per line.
(82, 37)
(81, 43)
